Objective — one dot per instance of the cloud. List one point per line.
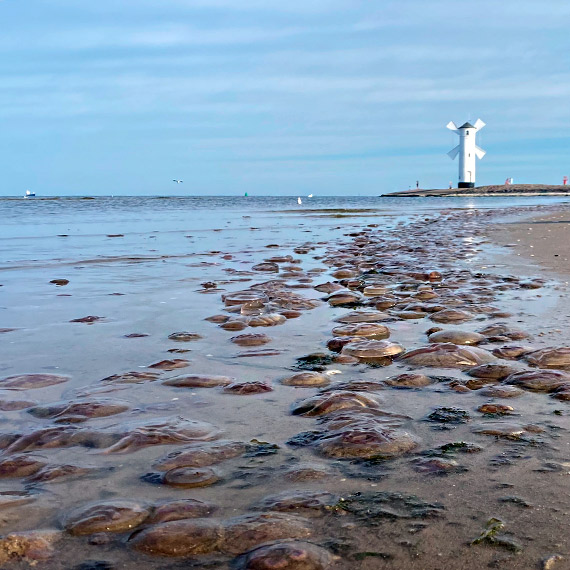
(306, 88)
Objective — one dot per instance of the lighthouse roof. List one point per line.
(466, 126)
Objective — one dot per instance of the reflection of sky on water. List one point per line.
(72, 229)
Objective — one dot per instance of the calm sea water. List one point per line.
(43, 230)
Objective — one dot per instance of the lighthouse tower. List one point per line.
(467, 151)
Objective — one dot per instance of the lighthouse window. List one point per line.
(466, 132)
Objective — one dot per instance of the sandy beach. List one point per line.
(375, 391)
(542, 240)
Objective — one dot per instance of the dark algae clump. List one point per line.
(372, 508)
(492, 536)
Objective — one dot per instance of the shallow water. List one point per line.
(149, 282)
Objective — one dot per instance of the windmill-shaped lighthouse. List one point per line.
(467, 151)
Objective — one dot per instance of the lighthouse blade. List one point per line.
(453, 152)
(452, 127)
(479, 125)
(480, 152)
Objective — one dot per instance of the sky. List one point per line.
(288, 97)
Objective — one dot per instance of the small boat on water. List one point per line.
(299, 201)
(29, 194)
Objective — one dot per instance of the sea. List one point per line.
(53, 230)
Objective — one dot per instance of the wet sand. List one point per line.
(543, 240)
(387, 472)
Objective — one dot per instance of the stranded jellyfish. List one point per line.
(180, 510)
(495, 409)
(366, 439)
(170, 364)
(267, 320)
(188, 537)
(292, 555)
(72, 412)
(345, 298)
(550, 358)
(132, 377)
(200, 455)
(307, 503)
(512, 351)
(491, 371)
(163, 431)
(190, 477)
(447, 355)
(198, 381)
(306, 379)
(502, 330)
(457, 337)
(333, 401)
(184, 336)
(373, 350)
(409, 381)
(106, 516)
(538, 380)
(367, 330)
(31, 381)
(363, 317)
(451, 316)
(241, 297)
(250, 339)
(247, 388)
(501, 392)
(248, 531)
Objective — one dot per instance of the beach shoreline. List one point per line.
(247, 306)
(490, 190)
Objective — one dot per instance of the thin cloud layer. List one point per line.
(265, 97)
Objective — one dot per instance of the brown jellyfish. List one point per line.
(457, 337)
(538, 380)
(306, 379)
(329, 402)
(550, 358)
(451, 316)
(31, 381)
(447, 355)
(106, 516)
(367, 330)
(188, 537)
(198, 381)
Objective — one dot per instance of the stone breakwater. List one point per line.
(421, 423)
(496, 189)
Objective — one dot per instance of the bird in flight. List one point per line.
(177, 181)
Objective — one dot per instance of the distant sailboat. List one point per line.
(299, 201)
(310, 196)
(29, 194)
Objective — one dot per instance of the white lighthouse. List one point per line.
(467, 150)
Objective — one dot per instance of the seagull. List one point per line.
(177, 181)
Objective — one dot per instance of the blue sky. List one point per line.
(278, 97)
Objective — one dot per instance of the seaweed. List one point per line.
(372, 508)
(492, 537)
(257, 448)
(448, 416)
